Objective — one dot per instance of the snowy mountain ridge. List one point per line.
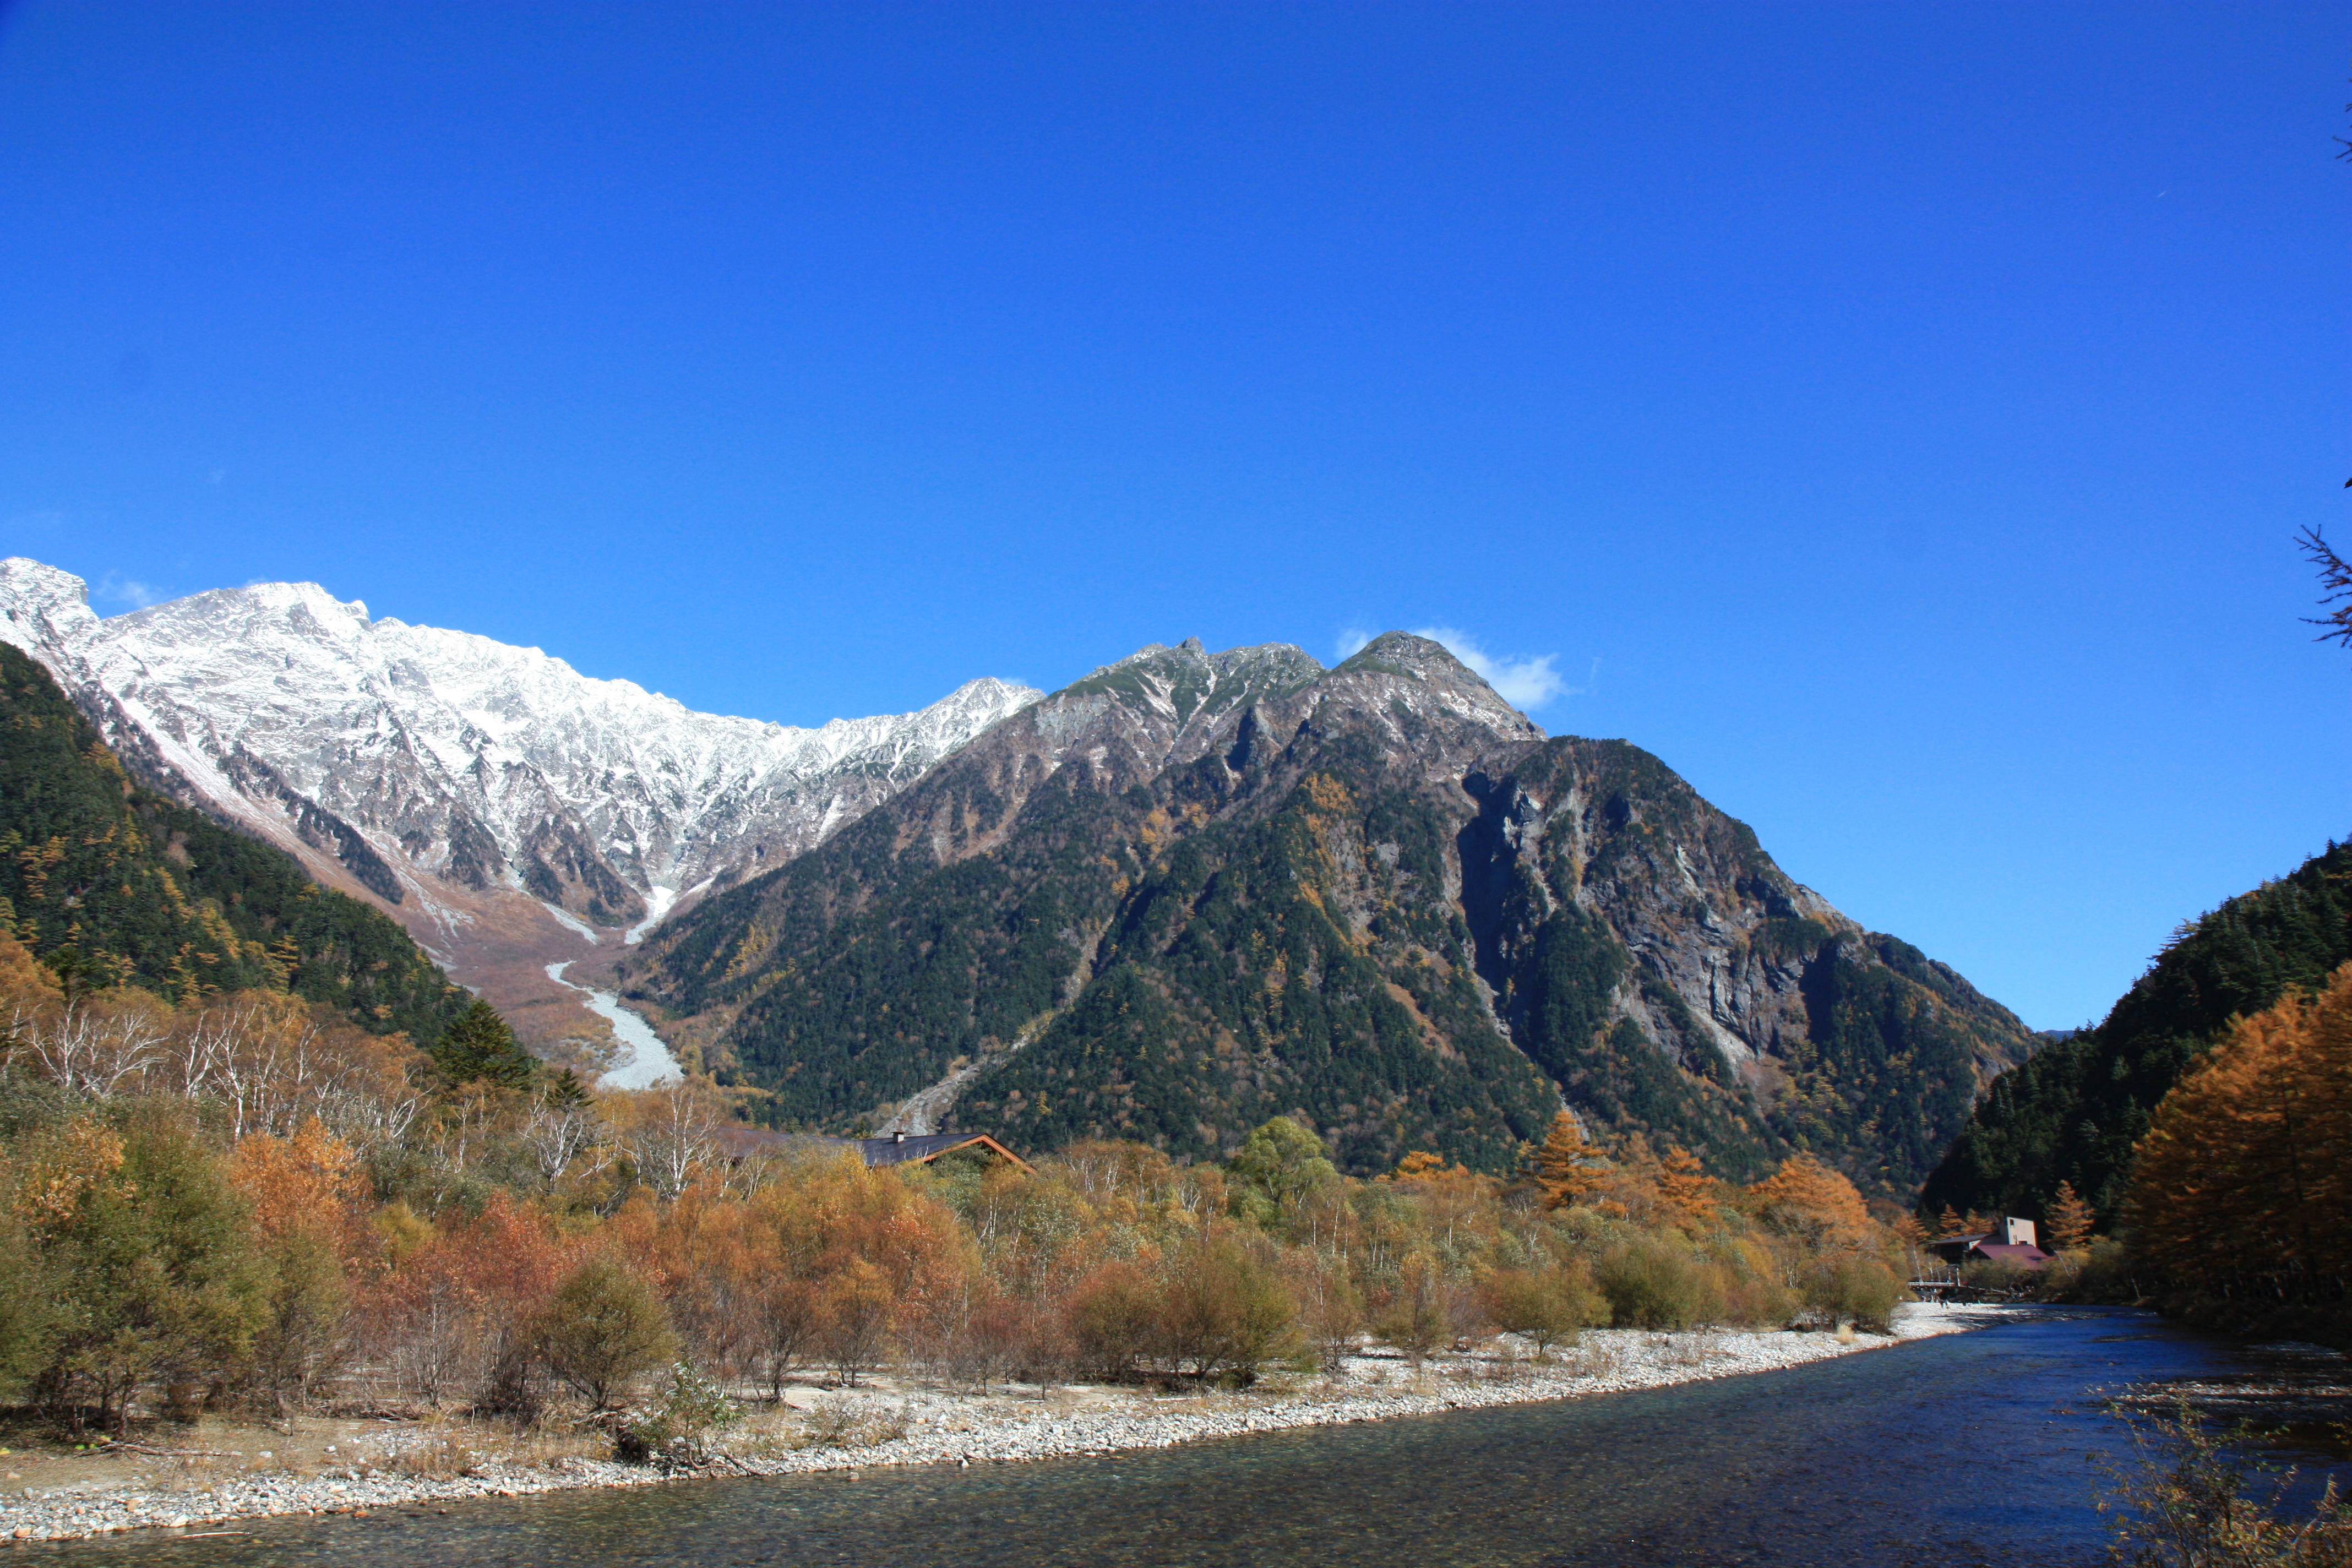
(433, 767)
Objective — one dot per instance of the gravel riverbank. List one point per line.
(886, 1424)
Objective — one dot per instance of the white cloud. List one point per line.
(1521, 682)
(126, 590)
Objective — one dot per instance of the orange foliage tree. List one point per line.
(2069, 1220)
(1806, 1199)
(1571, 1167)
(1687, 1195)
(2240, 1192)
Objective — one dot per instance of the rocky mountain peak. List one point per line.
(510, 809)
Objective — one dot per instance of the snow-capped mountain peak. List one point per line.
(434, 767)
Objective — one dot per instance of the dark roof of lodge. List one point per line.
(2023, 1252)
(1958, 1248)
(901, 1148)
(741, 1142)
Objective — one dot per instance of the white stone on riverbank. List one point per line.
(949, 1428)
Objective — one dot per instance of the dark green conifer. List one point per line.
(479, 1047)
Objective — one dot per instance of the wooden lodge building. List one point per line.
(2012, 1241)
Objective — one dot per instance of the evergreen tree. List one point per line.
(480, 1048)
(109, 883)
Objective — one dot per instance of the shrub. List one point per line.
(847, 1424)
(1332, 1314)
(1850, 1289)
(1415, 1319)
(1223, 1312)
(1653, 1284)
(156, 1276)
(1114, 1317)
(301, 1339)
(1546, 1307)
(2100, 1272)
(28, 1316)
(602, 1329)
(1757, 1300)
(2186, 1504)
(674, 1433)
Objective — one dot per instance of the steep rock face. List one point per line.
(443, 772)
(1194, 890)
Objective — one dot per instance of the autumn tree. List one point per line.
(460, 1294)
(602, 1329)
(1687, 1195)
(1569, 1167)
(1807, 1200)
(2069, 1219)
(2239, 1192)
(306, 1195)
(146, 1243)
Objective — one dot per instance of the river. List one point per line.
(1972, 1448)
(646, 1060)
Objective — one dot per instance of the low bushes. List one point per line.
(1650, 1283)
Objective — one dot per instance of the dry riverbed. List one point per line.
(355, 1467)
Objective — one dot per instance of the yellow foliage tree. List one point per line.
(310, 1182)
(1570, 1168)
(1805, 1198)
(2239, 1190)
(1687, 1193)
(2069, 1219)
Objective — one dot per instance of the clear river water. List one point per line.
(1976, 1448)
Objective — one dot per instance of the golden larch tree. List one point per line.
(1571, 1167)
(2069, 1219)
(1688, 1196)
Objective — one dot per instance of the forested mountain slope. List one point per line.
(149, 893)
(2074, 1112)
(1195, 890)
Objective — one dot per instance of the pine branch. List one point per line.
(2336, 576)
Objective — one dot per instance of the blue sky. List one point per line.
(1896, 417)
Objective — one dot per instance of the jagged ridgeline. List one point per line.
(149, 893)
(1196, 891)
(2075, 1112)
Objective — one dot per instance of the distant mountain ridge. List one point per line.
(509, 810)
(1191, 891)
